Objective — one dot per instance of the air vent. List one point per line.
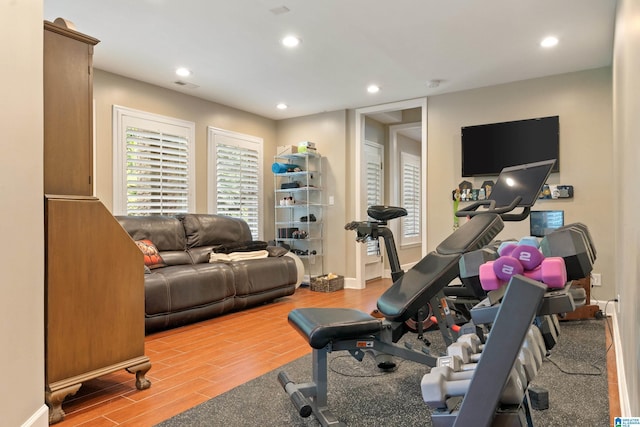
(186, 84)
(279, 10)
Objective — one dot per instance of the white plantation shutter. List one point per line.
(157, 173)
(374, 190)
(237, 184)
(410, 193)
(235, 177)
(153, 164)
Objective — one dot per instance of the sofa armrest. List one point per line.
(200, 254)
(176, 257)
(299, 267)
(276, 251)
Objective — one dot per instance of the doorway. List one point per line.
(361, 179)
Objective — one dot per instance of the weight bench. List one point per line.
(336, 329)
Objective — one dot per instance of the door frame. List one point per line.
(394, 176)
(360, 178)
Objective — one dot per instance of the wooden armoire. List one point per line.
(94, 283)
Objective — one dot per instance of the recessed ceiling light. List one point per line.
(183, 72)
(291, 41)
(282, 106)
(373, 89)
(549, 41)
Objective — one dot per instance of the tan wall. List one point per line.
(22, 363)
(626, 110)
(21, 216)
(328, 131)
(583, 101)
(111, 89)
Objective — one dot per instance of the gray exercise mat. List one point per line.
(360, 395)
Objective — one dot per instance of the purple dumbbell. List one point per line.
(488, 279)
(506, 267)
(552, 272)
(530, 257)
(507, 247)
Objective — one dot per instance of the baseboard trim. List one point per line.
(40, 418)
(609, 308)
(623, 391)
(352, 283)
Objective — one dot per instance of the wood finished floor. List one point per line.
(195, 363)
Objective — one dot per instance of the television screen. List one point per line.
(542, 223)
(525, 181)
(487, 149)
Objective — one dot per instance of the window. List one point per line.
(153, 164)
(235, 177)
(410, 192)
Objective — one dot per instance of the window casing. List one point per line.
(154, 167)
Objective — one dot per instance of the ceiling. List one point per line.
(233, 46)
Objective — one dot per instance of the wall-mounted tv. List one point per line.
(487, 149)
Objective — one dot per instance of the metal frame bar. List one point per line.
(512, 322)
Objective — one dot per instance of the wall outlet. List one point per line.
(596, 279)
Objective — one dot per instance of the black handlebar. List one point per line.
(472, 210)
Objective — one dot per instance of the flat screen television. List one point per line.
(487, 149)
(525, 181)
(542, 223)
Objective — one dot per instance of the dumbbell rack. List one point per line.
(565, 241)
(587, 311)
(521, 302)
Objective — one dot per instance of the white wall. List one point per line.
(21, 216)
(626, 159)
(583, 100)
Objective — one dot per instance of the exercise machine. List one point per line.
(426, 316)
(342, 329)
(373, 230)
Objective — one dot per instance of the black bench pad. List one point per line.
(417, 286)
(436, 270)
(474, 234)
(320, 326)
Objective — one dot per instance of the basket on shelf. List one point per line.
(325, 284)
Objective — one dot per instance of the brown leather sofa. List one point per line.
(186, 288)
